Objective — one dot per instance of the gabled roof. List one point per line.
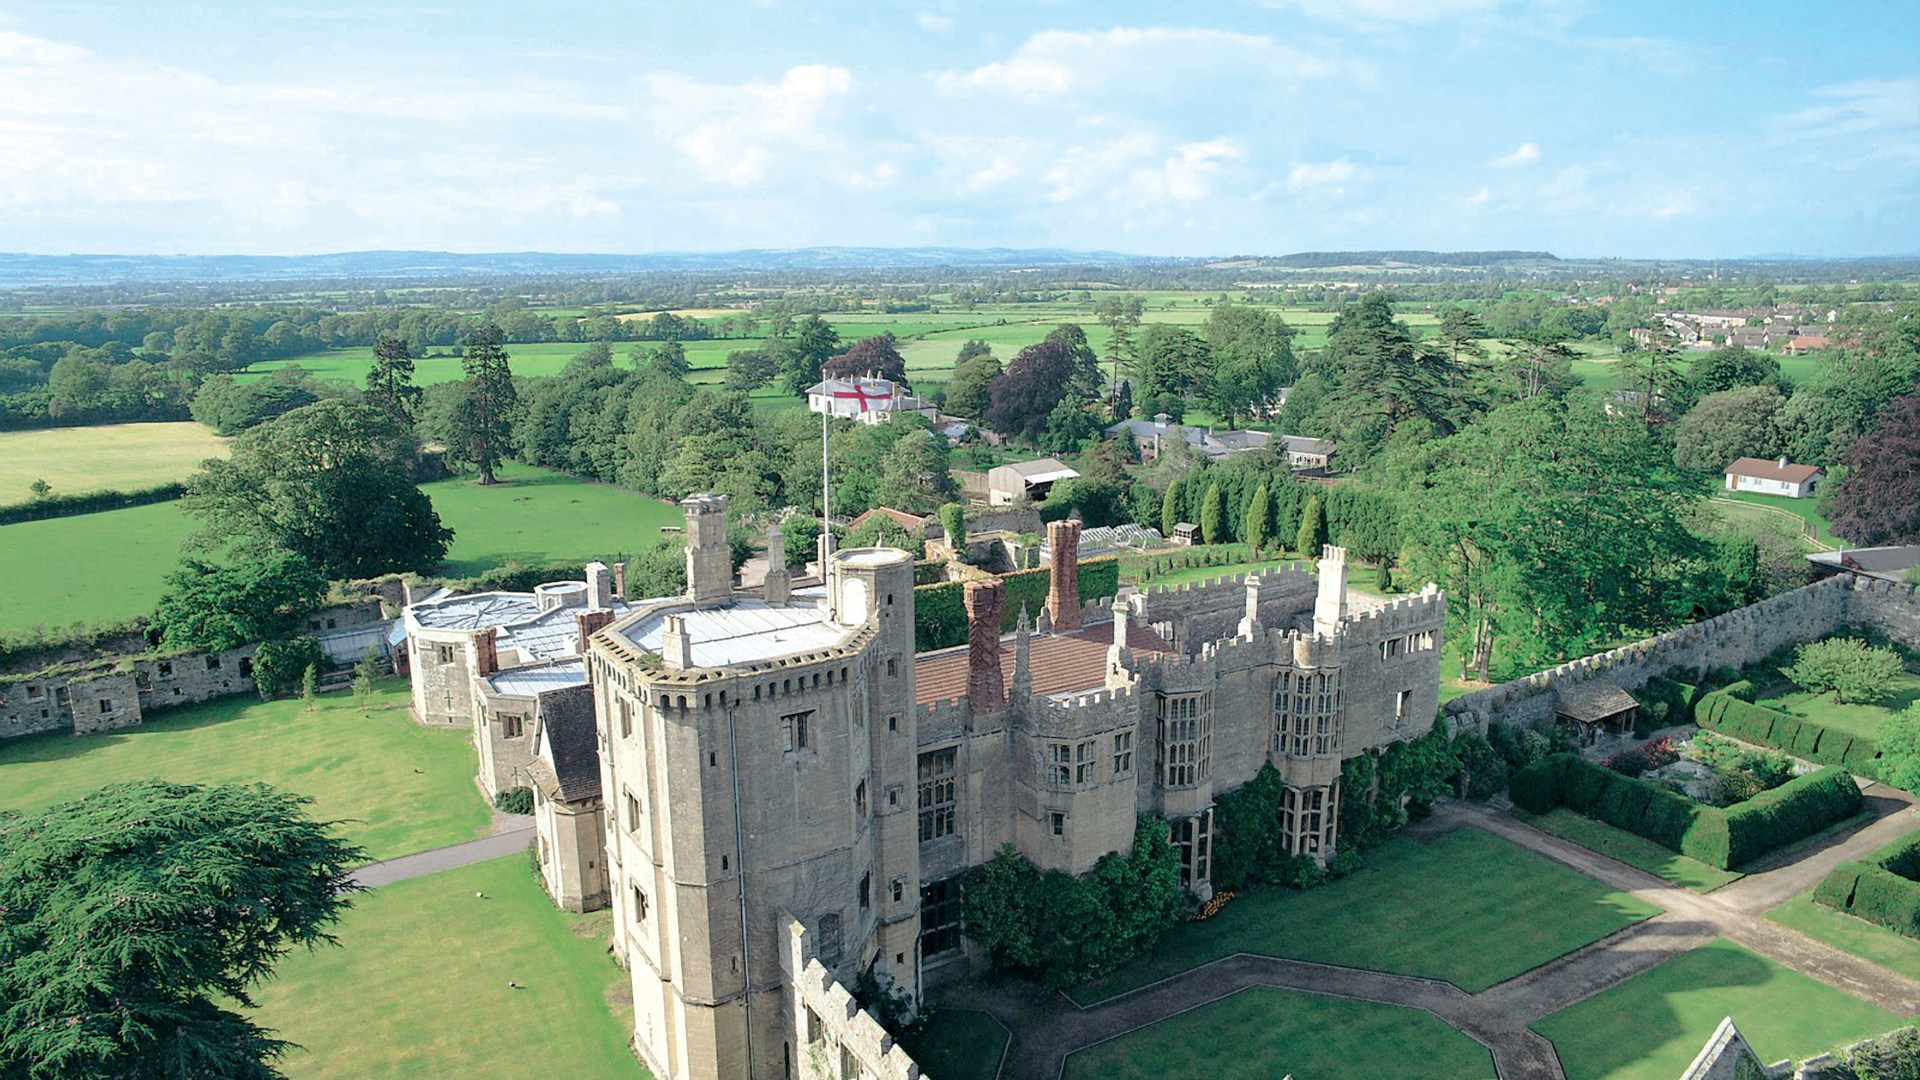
(1056, 663)
(910, 522)
(569, 743)
(1764, 469)
(1591, 701)
(1041, 470)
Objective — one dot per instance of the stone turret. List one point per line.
(709, 560)
(1330, 607)
(779, 585)
(1063, 576)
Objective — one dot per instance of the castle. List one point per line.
(786, 795)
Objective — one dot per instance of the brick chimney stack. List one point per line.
(486, 653)
(588, 622)
(984, 689)
(1063, 581)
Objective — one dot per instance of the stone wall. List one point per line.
(832, 1037)
(1733, 640)
(108, 695)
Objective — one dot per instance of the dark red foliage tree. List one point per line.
(1033, 384)
(872, 357)
(1879, 502)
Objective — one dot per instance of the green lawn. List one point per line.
(1854, 719)
(1892, 951)
(958, 1044)
(1467, 907)
(1265, 1032)
(539, 516)
(89, 568)
(396, 787)
(418, 986)
(1652, 1026)
(110, 457)
(1632, 850)
(1820, 528)
(108, 566)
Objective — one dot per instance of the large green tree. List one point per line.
(330, 483)
(1729, 424)
(134, 919)
(390, 380)
(799, 356)
(482, 425)
(210, 607)
(971, 390)
(1252, 359)
(1879, 503)
(1171, 365)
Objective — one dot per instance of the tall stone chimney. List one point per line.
(590, 621)
(779, 585)
(599, 587)
(1063, 578)
(984, 689)
(676, 645)
(619, 581)
(1330, 607)
(1022, 660)
(486, 653)
(709, 560)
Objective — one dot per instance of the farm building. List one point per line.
(1030, 480)
(1780, 477)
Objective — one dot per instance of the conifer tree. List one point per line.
(390, 383)
(483, 425)
(1170, 509)
(1213, 516)
(1256, 532)
(1313, 529)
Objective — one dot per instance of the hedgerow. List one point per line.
(940, 613)
(1882, 888)
(1727, 712)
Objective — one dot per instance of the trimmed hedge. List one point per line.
(1880, 888)
(1724, 838)
(1726, 712)
(940, 612)
(57, 506)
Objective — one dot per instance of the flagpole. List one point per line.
(826, 496)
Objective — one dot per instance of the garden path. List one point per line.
(422, 863)
(1047, 1027)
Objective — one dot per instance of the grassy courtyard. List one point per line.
(958, 1044)
(1849, 934)
(110, 457)
(1467, 907)
(1853, 718)
(1287, 1033)
(1630, 849)
(418, 986)
(1650, 1027)
(394, 786)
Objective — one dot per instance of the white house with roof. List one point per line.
(1030, 480)
(866, 399)
(1777, 477)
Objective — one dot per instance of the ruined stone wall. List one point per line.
(112, 694)
(830, 1034)
(1733, 640)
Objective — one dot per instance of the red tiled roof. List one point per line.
(1056, 663)
(900, 517)
(1763, 469)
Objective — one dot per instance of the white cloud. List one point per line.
(1481, 197)
(1056, 63)
(733, 133)
(1187, 175)
(1325, 174)
(1524, 154)
(1869, 118)
(1667, 211)
(1370, 12)
(934, 23)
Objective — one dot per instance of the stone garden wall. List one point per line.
(108, 695)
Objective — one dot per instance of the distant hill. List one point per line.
(1319, 260)
(21, 269)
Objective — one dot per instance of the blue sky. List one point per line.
(1592, 129)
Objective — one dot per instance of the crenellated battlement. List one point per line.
(1423, 611)
(1225, 582)
(827, 1021)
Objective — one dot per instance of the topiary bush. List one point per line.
(517, 800)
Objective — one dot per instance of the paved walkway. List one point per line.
(422, 863)
(1047, 1027)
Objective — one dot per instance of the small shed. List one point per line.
(1594, 707)
(1186, 534)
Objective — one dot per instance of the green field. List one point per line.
(1264, 1032)
(1652, 1026)
(395, 786)
(418, 986)
(1506, 909)
(1892, 951)
(109, 566)
(957, 1044)
(1853, 718)
(109, 457)
(1632, 850)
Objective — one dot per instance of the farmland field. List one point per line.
(108, 566)
(109, 457)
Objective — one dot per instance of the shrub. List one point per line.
(1848, 667)
(517, 800)
(1880, 888)
(279, 666)
(1484, 767)
(1748, 722)
(44, 506)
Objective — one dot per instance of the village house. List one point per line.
(1765, 477)
(867, 400)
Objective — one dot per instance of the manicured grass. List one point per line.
(1632, 850)
(1265, 1032)
(1804, 509)
(1191, 574)
(1854, 719)
(394, 786)
(418, 986)
(1848, 934)
(958, 1044)
(110, 457)
(1467, 907)
(539, 516)
(1650, 1027)
(92, 567)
